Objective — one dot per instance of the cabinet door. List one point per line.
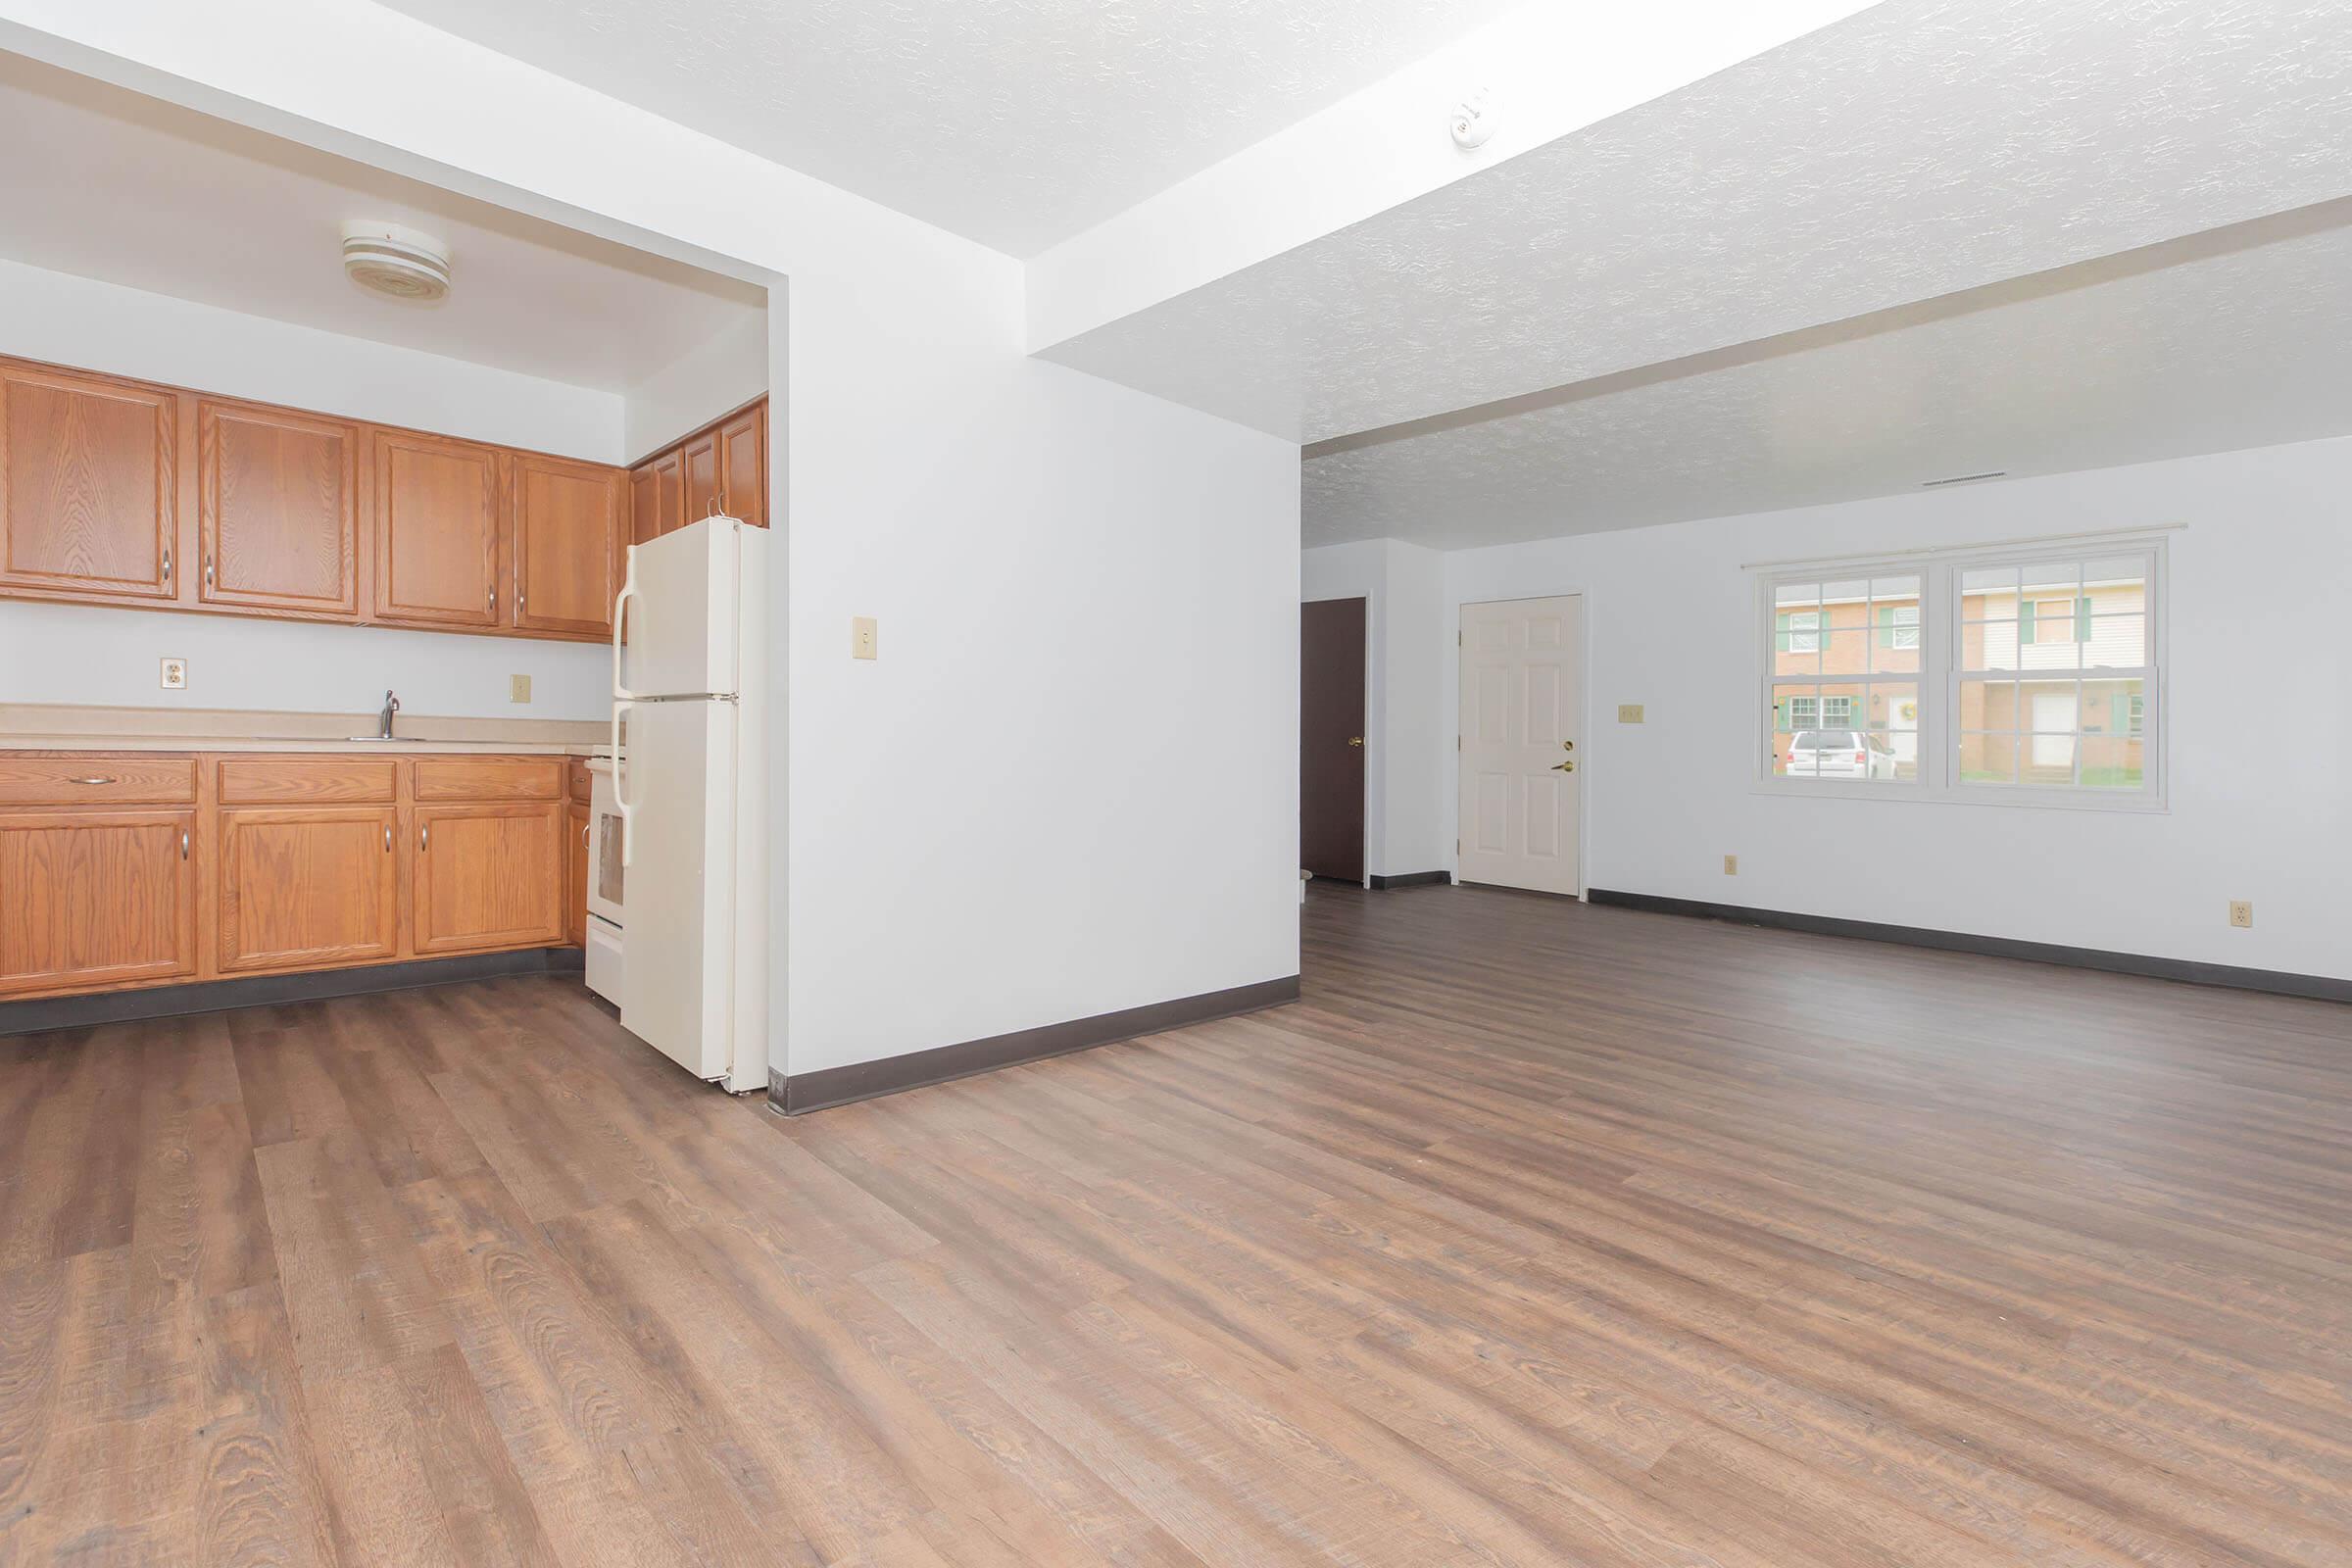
(743, 465)
(96, 899)
(278, 509)
(88, 485)
(489, 876)
(308, 887)
(656, 497)
(575, 890)
(436, 531)
(699, 458)
(566, 530)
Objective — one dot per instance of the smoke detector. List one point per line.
(400, 261)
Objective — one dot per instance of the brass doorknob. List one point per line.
(1355, 740)
(1563, 768)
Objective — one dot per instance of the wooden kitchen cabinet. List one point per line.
(89, 486)
(699, 460)
(437, 523)
(567, 524)
(277, 511)
(307, 887)
(575, 885)
(96, 899)
(488, 876)
(656, 497)
(743, 465)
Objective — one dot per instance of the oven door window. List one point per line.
(608, 858)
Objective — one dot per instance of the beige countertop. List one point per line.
(27, 726)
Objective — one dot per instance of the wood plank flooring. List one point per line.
(1534, 1235)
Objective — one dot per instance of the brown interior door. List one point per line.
(1330, 738)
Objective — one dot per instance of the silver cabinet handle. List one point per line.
(183, 843)
(387, 838)
(583, 835)
(166, 562)
(208, 572)
(494, 599)
(424, 834)
(99, 778)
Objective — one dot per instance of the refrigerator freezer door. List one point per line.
(679, 631)
(678, 985)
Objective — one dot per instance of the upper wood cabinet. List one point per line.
(700, 457)
(656, 497)
(278, 509)
(96, 899)
(307, 887)
(436, 531)
(566, 521)
(88, 487)
(721, 467)
(119, 492)
(743, 465)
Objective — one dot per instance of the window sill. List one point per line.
(2131, 805)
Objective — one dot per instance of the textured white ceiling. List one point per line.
(132, 190)
(1016, 122)
(2244, 349)
(1920, 148)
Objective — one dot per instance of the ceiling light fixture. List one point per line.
(404, 263)
(1964, 478)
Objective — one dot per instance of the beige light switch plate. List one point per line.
(518, 688)
(1628, 713)
(864, 638)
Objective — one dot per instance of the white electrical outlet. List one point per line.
(2242, 913)
(174, 675)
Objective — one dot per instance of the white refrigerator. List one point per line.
(689, 786)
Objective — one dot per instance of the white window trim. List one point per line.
(1939, 573)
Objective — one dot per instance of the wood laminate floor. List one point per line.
(1535, 1234)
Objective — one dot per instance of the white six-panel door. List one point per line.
(1522, 726)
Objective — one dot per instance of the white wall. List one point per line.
(154, 337)
(2257, 761)
(84, 654)
(238, 663)
(715, 376)
(1403, 586)
(1069, 784)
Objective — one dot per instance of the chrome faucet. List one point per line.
(383, 720)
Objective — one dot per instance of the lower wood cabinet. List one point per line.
(94, 899)
(308, 887)
(131, 869)
(489, 876)
(575, 885)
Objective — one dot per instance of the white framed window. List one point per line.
(2024, 675)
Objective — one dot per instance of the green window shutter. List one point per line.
(1885, 625)
(2025, 624)
(2082, 618)
(1780, 632)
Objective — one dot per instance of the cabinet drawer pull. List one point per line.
(166, 562)
(208, 572)
(99, 778)
(387, 838)
(183, 843)
(424, 834)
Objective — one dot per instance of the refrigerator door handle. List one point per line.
(621, 793)
(628, 591)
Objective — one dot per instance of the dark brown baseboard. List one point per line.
(263, 990)
(1412, 879)
(2188, 971)
(796, 1094)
